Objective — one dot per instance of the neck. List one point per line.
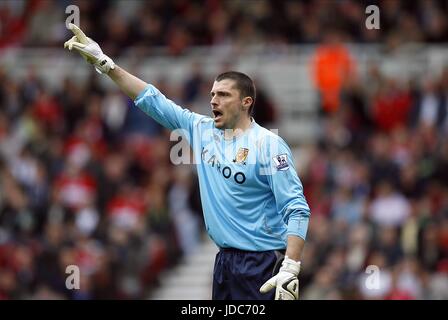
(238, 129)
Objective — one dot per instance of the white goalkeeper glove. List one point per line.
(286, 282)
(89, 50)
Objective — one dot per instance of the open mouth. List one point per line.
(217, 114)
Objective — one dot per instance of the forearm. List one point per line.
(128, 83)
(295, 247)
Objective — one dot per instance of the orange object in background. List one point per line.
(332, 65)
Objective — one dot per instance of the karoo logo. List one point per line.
(373, 20)
(74, 15)
(180, 150)
(373, 279)
(72, 281)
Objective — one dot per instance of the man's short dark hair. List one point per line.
(243, 83)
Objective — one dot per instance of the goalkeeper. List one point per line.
(253, 202)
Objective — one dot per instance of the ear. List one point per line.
(247, 102)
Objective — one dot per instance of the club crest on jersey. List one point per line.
(241, 155)
(281, 162)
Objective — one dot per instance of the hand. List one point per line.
(286, 281)
(89, 50)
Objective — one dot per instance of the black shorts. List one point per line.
(238, 275)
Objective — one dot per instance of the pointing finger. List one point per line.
(78, 33)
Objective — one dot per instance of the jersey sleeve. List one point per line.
(152, 102)
(278, 166)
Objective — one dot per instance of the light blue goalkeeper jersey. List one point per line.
(251, 195)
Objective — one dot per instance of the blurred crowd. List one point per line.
(377, 186)
(179, 24)
(86, 178)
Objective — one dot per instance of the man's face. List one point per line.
(227, 104)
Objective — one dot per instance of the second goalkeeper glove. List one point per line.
(89, 50)
(286, 282)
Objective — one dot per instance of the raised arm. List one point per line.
(92, 53)
(128, 83)
(145, 96)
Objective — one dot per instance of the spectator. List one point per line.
(429, 109)
(389, 207)
(332, 64)
(391, 106)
